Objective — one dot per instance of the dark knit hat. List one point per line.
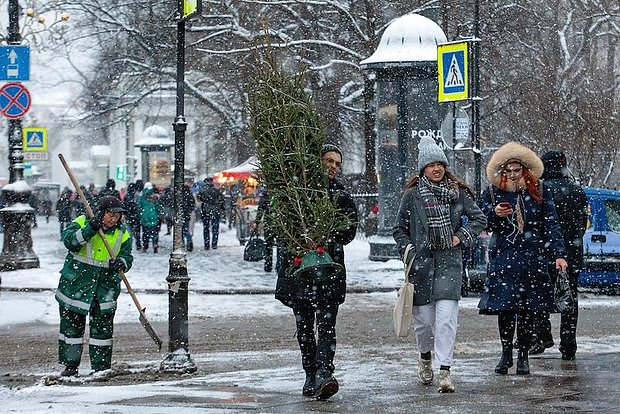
(555, 159)
(555, 165)
(429, 152)
(110, 203)
(329, 148)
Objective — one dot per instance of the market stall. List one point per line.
(239, 186)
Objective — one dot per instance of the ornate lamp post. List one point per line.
(18, 216)
(178, 358)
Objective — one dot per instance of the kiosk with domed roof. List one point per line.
(405, 64)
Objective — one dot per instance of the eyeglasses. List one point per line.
(515, 170)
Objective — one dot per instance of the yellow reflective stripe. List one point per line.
(100, 342)
(72, 302)
(70, 341)
(82, 259)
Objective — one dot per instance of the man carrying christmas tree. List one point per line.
(316, 302)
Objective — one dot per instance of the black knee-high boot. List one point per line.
(506, 323)
(524, 337)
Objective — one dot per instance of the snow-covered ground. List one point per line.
(213, 271)
(364, 372)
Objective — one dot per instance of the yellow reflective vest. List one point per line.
(86, 275)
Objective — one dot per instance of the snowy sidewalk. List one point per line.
(214, 271)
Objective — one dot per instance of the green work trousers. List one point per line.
(71, 338)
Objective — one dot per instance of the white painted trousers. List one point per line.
(434, 326)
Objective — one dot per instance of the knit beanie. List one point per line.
(329, 148)
(429, 152)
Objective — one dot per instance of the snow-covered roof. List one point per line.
(408, 39)
(155, 135)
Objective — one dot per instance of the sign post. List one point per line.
(454, 78)
(15, 101)
(34, 139)
(453, 71)
(14, 63)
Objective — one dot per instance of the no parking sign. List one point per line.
(14, 100)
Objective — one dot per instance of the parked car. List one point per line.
(602, 240)
(601, 246)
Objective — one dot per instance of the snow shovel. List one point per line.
(89, 213)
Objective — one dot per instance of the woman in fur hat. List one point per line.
(429, 231)
(525, 231)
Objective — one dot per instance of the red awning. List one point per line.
(242, 171)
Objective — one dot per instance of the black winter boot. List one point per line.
(309, 388)
(505, 361)
(506, 324)
(69, 371)
(523, 364)
(326, 385)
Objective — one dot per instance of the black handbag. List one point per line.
(562, 295)
(254, 249)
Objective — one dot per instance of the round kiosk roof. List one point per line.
(408, 39)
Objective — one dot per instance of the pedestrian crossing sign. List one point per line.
(453, 71)
(34, 139)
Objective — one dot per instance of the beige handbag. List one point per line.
(403, 308)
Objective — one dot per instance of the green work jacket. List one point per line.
(86, 273)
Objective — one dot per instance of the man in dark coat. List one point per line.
(571, 205)
(64, 209)
(188, 205)
(110, 189)
(319, 301)
(211, 209)
(132, 215)
(264, 214)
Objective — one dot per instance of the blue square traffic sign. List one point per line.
(14, 63)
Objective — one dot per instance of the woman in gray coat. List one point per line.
(431, 219)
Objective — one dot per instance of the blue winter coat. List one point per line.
(517, 275)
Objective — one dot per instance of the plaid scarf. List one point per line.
(437, 200)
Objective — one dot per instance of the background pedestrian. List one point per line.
(571, 205)
(149, 210)
(211, 208)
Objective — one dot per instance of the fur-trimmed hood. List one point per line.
(513, 152)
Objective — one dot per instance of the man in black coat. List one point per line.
(319, 301)
(263, 214)
(211, 209)
(571, 205)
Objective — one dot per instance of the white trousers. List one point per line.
(434, 326)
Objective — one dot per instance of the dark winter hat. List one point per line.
(110, 183)
(555, 165)
(110, 203)
(429, 153)
(555, 159)
(331, 147)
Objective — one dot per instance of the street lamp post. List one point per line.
(476, 100)
(18, 216)
(178, 358)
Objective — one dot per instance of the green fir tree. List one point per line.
(289, 135)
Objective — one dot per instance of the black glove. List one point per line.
(117, 265)
(95, 223)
